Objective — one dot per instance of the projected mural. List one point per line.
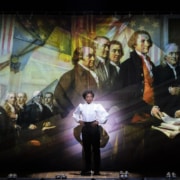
(131, 62)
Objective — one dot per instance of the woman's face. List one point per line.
(89, 98)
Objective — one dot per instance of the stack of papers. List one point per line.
(170, 126)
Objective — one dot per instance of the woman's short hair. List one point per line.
(86, 92)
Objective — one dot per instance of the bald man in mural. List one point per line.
(71, 84)
(167, 81)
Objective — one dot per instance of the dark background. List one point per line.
(94, 6)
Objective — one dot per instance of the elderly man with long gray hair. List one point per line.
(167, 81)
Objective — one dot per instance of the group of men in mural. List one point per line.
(19, 115)
(136, 88)
(135, 80)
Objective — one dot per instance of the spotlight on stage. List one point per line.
(61, 176)
(123, 175)
(170, 175)
(12, 176)
(173, 175)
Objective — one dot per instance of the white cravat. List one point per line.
(148, 64)
(103, 62)
(50, 107)
(40, 106)
(94, 75)
(174, 70)
(116, 66)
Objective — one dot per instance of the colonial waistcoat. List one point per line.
(148, 95)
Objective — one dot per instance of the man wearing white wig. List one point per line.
(167, 81)
(36, 111)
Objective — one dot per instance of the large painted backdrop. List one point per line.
(35, 51)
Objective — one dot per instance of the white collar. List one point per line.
(101, 59)
(80, 63)
(140, 54)
(170, 65)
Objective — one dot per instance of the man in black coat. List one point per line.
(7, 131)
(167, 81)
(136, 75)
(36, 112)
(101, 64)
(115, 54)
